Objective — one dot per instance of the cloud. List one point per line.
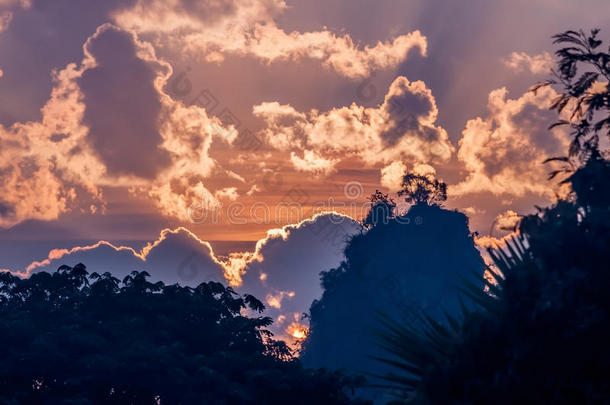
(289, 275)
(328, 229)
(473, 211)
(254, 189)
(107, 123)
(160, 141)
(282, 270)
(247, 28)
(537, 64)
(123, 105)
(270, 43)
(227, 193)
(46, 168)
(507, 221)
(297, 330)
(313, 163)
(402, 127)
(392, 174)
(503, 152)
(274, 300)
(423, 169)
(175, 256)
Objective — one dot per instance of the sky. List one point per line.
(207, 139)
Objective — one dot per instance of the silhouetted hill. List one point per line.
(412, 262)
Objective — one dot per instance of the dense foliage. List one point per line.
(423, 189)
(541, 333)
(381, 212)
(400, 265)
(76, 338)
(583, 74)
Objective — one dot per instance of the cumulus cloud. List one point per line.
(392, 174)
(283, 269)
(313, 163)
(248, 28)
(176, 255)
(537, 64)
(270, 43)
(423, 169)
(507, 221)
(46, 165)
(227, 193)
(503, 152)
(402, 127)
(107, 122)
(171, 139)
(123, 105)
(288, 275)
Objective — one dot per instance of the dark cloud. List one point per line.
(290, 265)
(536, 121)
(208, 9)
(406, 109)
(294, 264)
(41, 38)
(123, 106)
(178, 258)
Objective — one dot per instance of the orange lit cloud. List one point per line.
(537, 64)
(248, 28)
(46, 165)
(267, 271)
(402, 127)
(154, 145)
(507, 220)
(233, 266)
(297, 330)
(505, 224)
(312, 162)
(274, 300)
(291, 328)
(503, 152)
(392, 174)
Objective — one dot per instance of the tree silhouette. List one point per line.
(421, 189)
(583, 96)
(400, 266)
(382, 210)
(76, 338)
(540, 333)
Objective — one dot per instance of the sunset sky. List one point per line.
(231, 118)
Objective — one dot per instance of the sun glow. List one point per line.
(297, 330)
